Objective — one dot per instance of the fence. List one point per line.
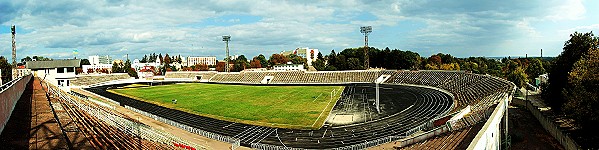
(360, 146)
(548, 124)
(235, 143)
(10, 93)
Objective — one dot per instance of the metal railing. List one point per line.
(235, 143)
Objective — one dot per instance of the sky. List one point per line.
(464, 28)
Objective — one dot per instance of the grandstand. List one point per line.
(101, 78)
(436, 96)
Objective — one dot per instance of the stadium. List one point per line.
(412, 106)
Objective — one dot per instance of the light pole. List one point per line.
(377, 98)
(366, 30)
(227, 38)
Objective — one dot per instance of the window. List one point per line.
(59, 70)
(70, 69)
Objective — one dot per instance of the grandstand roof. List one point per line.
(53, 64)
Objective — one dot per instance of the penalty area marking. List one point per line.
(317, 97)
(325, 108)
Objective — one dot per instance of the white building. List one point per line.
(138, 66)
(309, 54)
(96, 60)
(208, 60)
(57, 72)
(288, 67)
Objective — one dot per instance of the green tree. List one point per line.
(319, 56)
(161, 58)
(26, 59)
(341, 62)
(263, 61)
(518, 77)
(240, 64)
(534, 69)
(319, 65)
(116, 67)
(354, 64)
(296, 59)
(6, 70)
(577, 46)
(582, 91)
(144, 59)
(332, 59)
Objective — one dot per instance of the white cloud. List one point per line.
(104, 27)
(567, 10)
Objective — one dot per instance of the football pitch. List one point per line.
(299, 107)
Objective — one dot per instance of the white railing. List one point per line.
(235, 143)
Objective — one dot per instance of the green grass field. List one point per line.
(299, 107)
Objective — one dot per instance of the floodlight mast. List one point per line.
(366, 30)
(227, 38)
(14, 46)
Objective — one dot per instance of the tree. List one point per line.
(319, 65)
(255, 63)
(6, 69)
(201, 67)
(582, 92)
(578, 45)
(166, 60)
(534, 69)
(435, 60)
(144, 59)
(26, 59)
(220, 66)
(296, 59)
(132, 72)
(354, 64)
(116, 67)
(332, 59)
(319, 56)
(518, 77)
(240, 64)
(161, 58)
(341, 62)
(263, 61)
(179, 60)
(85, 62)
(276, 59)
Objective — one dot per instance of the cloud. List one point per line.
(465, 28)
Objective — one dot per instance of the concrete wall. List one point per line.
(9, 95)
(548, 124)
(489, 136)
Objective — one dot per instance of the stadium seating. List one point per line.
(95, 79)
(479, 91)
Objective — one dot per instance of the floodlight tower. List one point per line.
(227, 38)
(14, 46)
(366, 30)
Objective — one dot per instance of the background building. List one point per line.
(58, 72)
(288, 67)
(309, 54)
(96, 60)
(208, 60)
